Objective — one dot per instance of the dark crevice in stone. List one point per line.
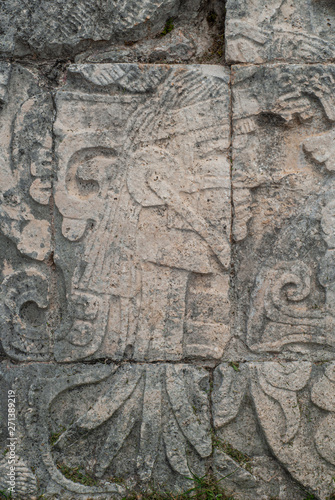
(211, 415)
(233, 254)
(53, 305)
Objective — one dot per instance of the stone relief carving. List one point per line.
(135, 192)
(282, 298)
(279, 30)
(25, 478)
(26, 132)
(286, 396)
(116, 210)
(281, 384)
(26, 163)
(162, 200)
(285, 195)
(26, 486)
(292, 98)
(159, 411)
(35, 28)
(24, 315)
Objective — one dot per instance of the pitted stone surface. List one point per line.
(277, 30)
(290, 404)
(167, 247)
(122, 425)
(131, 424)
(283, 190)
(143, 191)
(56, 28)
(26, 117)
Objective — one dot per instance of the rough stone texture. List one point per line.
(283, 198)
(25, 189)
(151, 422)
(280, 30)
(140, 422)
(51, 29)
(167, 239)
(144, 197)
(275, 410)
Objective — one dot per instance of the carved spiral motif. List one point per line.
(281, 312)
(24, 318)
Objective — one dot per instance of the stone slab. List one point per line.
(119, 426)
(283, 194)
(143, 212)
(273, 417)
(149, 341)
(277, 30)
(131, 425)
(63, 28)
(26, 116)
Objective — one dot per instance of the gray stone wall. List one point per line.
(167, 248)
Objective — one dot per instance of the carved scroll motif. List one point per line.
(281, 314)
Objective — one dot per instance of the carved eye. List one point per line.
(87, 176)
(87, 185)
(83, 181)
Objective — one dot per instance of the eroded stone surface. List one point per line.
(120, 425)
(196, 34)
(258, 32)
(131, 425)
(60, 28)
(283, 190)
(115, 246)
(26, 117)
(143, 193)
(282, 410)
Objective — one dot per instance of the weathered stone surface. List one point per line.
(167, 247)
(283, 191)
(195, 35)
(143, 192)
(120, 425)
(275, 410)
(178, 46)
(26, 117)
(276, 30)
(62, 28)
(133, 425)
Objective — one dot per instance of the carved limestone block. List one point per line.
(26, 116)
(64, 28)
(143, 212)
(283, 192)
(277, 30)
(272, 417)
(118, 425)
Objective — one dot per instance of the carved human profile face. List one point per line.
(143, 193)
(91, 176)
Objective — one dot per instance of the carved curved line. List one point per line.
(193, 430)
(49, 392)
(41, 301)
(284, 398)
(292, 339)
